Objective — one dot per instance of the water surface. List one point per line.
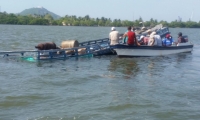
(96, 88)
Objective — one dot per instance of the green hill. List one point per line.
(38, 11)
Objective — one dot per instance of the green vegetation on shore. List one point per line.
(47, 19)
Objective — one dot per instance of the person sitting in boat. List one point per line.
(168, 40)
(143, 29)
(143, 40)
(149, 32)
(181, 39)
(121, 36)
(114, 36)
(154, 40)
(131, 37)
(46, 46)
(132, 29)
(126, 38)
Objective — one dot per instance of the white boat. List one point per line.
(126, 50)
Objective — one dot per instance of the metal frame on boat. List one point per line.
(91, 48)
(159, 29)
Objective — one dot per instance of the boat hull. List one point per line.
(125, 50)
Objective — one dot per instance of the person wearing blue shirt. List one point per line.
(168, 40)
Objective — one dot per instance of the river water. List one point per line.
(96, 88)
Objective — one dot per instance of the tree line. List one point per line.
(73, 20)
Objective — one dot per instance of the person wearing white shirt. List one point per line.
(114, 36)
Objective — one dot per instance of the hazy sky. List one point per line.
(167, 10)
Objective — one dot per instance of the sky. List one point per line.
(167, 10)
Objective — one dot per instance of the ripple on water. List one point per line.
(105, 87)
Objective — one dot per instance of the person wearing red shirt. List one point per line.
(131, 37)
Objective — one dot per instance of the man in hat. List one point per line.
(154, 40)
(143, 29)
(149, 32)
(114, 36)
(143, 40)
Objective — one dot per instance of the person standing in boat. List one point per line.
(168, 40)
(114, 36)
(131, 37)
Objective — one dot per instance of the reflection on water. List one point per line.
(126, 66)
(148, 67)
(158, 65)
(183, 57)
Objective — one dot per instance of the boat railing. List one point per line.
(93, 42)
(163, 31)
(92, 47)
(53, 53)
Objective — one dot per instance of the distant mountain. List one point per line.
(38, 11)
